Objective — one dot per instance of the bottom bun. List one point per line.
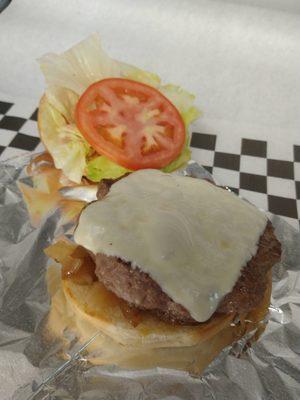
(139, 340)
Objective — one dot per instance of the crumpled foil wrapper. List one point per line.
(32, 369)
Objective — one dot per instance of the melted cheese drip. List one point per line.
(190, 236)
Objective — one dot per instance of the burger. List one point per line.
(164, 271)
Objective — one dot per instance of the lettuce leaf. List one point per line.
(70, 152)
(136, 74)
(68, 75)
(182, 99)
(63, 140)
(102, 168)
(180, 161)
(80, 66)
(63, 100)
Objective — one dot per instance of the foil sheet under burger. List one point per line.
(32, 368)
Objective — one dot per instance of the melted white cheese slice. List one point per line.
(190, 236)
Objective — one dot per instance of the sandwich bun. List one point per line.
(139, 341)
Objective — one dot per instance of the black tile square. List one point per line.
(24, 142)
(203, 141)
(297, 153)
(280, 169)
(256, 148)
(34, 115)
(12, 123)
(283, 206)
(255, 183)
(2, 148)
(4, 107)
(227, 161)
(208, 168)
(297, 190)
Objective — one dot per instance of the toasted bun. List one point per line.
(92, 311)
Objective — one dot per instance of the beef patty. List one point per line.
(141, 291)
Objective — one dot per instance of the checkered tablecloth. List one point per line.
(270, 184)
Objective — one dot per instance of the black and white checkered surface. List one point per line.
(270, 184)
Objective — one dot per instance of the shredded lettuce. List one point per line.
(68, 75)
(102, 168)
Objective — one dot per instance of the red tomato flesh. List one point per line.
(131, 123)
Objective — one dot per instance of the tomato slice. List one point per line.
(131, 123)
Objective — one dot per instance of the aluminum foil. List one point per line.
(31, 368)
